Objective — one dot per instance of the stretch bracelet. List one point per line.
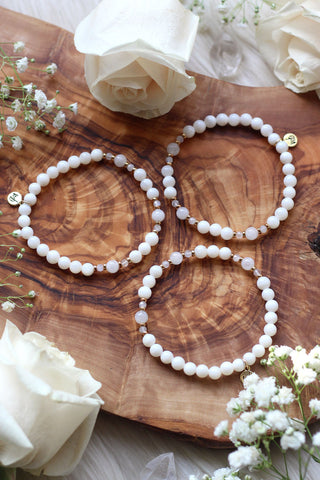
(266, 130)
(64, 262)
(176, 361)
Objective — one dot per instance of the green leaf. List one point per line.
(7, 473)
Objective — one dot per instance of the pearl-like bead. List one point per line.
(156, 271)
(258, 350)
(43, 179)
(290, 181)
(30, 199)
(112, 266)
(271, 317)
(226, 368)
(148, 340)
(256, 123)
(149, 281)
(266, 130)
(85, 158)
(200, 251)
(226, 233)
(267, 294)
(270, 329)
(75, 266)
(120, 160)
(247, 263)
(177, 363)
(288, 169)
(273, 222)
(189, 131)
(87, 269)
(156, 350)
(182, 213)
(282, 146)
(234, 119)
(53, 172)
(144, 248)
(53, 256)
(145, 292)
(158, 215)
(210, 121)
(273, 138)
(249, 358)
(34, 188)
(64, 262)
(97, 155)
(222, 119)
(33, 242)
(26, 232)
(214, 373)
(265, 341)
(139, 174)
(203, 226)
(245, 119)
(281, 213)
(135, 256)
(146, 184)
(176, 258)
(170, 192)
(289, 192)
(213, 251)
(271, 306)
(251, 233)
(215, 229)
(152, 238)
(238, 365)
(74, 161)
(199, 126)
(166, 357)
(63, 166)
(263, 282)
(173, 149)
(190, 368)
(286, 157)
(24, 209)
(43, 249)
(141, 317)
(24, 221)
(167, 170)
(152, 193)
(202, 371)
(225, 253)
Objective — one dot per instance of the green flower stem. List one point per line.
(7, 473)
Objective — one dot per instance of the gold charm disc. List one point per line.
(291, 139)
(14, 199)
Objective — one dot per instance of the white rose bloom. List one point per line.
(48, 407)
(290, 43)
(292, 439)
(135, 54)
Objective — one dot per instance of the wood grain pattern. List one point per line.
(208, 311)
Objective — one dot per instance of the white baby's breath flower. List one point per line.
(22, 64)
(282, 352)
(225, 474)
(314, 359)
(28, 88)
(305, 376)
(7, 306)
(251, 379)
(241, 431)
(277, 420)
(299, 358)
(74, 108)
(221, 429)
(41, 99)
(39, 125)
(234, 407)
(316, 439)
(30, 115)
(18, 46)
(292, 439)
(16, 142)
(50, 105)
(314, 406)
(59, 120)
(51, 69)
(245, 457)
(16, 105)
(284, 396)
(1, 144)
(5, 91)
(265, 389)
(11, 123)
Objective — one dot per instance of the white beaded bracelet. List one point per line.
(202, 370)
(75, 266)
(266, 130)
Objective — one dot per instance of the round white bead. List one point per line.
(215, 229)
(144, 248)
(177, 363)
(156, 350)
(210, 121)
(152, 193)
(26, 232)
(190, 368)
(156, 271)
(288, 169)
(247, 263)
(234, 119)
(135, 256)
(43, 179)
(213, 251)
(34, 188)
(203, 226)
(249, 358)
(290, 181)
(173, 149)
(281, 213)
(226, 233)
(24, 221)
(152, 238)
(149, 281)
(263, 282)
(225, 253)
(271, 317)
(158, 215)
(97, 155)
(53, 172)
(74, 161)
(273, 222)
(202, 371)
(176, 258)
(140, 174)
(148, 340)
(182, 213)
(257, 123)
(271, 306)
(270, 329)
(170, 192)
(120, 160)
(245, 119)
(214, 373)
(222, 119)
(169, 181)
(189, 131)
(273, 138)
(265, 341)
(200, 251)
(167, 170)
(266, 130)
(63, 166)
(251, 233)
(226, 368)
(199, 126)
(30, 199)
(85, 158)
(24, 209)
(75, 266)
(166, 357)
(238, 365)
(43, 249)
(282, 146)
(64, 262)
(145, 292)
(258, 350)
(141, 317)
(112, 266)
(289, 192)
(146, 184)
(286, 157)
(53, 256)
(267, 294)
(87, 269)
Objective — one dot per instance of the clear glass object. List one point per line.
(225, 53)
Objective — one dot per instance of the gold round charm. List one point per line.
(14, 199)
(291, 139)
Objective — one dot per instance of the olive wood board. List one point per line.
(207, 311)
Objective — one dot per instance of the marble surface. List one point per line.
(119, 449)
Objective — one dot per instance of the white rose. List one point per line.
(48, 407)
(290, 43)
(135, 54)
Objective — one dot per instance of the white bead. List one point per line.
(271, 317)
(182, 213)
(247, 263)
(156, 350)
(152, 238)
(270, 329)
(290, 181)
(251, 233)
(214, 373)
(273, 138)
(226, 233)
(288, 169)
(249, 358)
(256, 123)
(226, 368)
(281, 213)
(156, 271)
(135, 256)
(97, 155)
(200, 251)
(202, 371)
(263, 282)
(146, 184)
(43, 179)
(52, 172)
(64, 263)
(85, 158)
(190, 368)
(74, 161)
(26, 232)
(203, 226)
(24, 209)
(286, 157)
(267, 294)
(234, 119)
(75, 266)
(30, 199)
(258, 350)
(266, 130)
(169, 181)
(271, 306)
(282, 146)
(158, 215)
(213, 251)
(238, 365)
(199, 126)
(173, 149)
(215, 229)
(145, 292)
(245, 119)
(43, 249)
(120, 160)
(24, 221)
(176, 258)
(87, 269)
(152, 193)
(178, 363)
(140, 174)
(167, 170)
(112, 266)
(53, 256)
(225, 253)
(33, 242)
(210, 121)
(148, 340)
(273, 222)
(170, 192)
(189, 131)
(144, 248)
(222, 119)
(34, 188)
(265, 341)
(166, 357)
(63, 166)
(141, 317)
(149, 281)
(289, 192)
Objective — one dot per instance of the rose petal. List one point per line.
(14, 443)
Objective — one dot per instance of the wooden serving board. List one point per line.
(207, 311)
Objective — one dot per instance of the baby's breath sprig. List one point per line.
(242, 9)
(25, 101)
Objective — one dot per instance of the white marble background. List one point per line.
(119, 449)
